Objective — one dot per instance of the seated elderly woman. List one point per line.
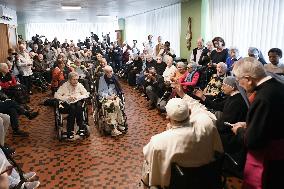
(189, 80)
(109, 91)
(181, 70)
(59, 75)
(213, 88)
(99, 70)
(10, 87)
(84, 76)
(72, 93)
(193, 140)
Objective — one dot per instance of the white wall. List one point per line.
(12, 13)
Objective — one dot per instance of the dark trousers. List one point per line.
(75, 112)
(12, 109)
(27, 81)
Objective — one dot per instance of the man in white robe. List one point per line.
(190, 140)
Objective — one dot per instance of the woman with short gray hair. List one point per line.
(189, 80)
(234, 56)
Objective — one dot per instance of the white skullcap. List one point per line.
(177, 109)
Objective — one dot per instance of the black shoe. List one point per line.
(81, 132)
(32, 115)
(20, 133)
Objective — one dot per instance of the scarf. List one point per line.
(190, 76)
(114, 81)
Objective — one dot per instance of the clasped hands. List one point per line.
(71, 99)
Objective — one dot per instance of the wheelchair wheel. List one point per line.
(60, 133)
(60, 130)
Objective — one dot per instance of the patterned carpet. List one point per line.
(95, 162)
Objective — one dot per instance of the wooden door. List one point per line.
(4, 42)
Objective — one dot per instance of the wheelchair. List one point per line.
(61, 115)
(15, 166)
(100, 116)
(210, 176)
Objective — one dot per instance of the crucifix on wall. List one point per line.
(188, 36)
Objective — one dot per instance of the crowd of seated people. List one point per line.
(208, 80)
(205, 82)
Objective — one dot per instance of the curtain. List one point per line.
(246, 23)
(70, 31)
(164, 22)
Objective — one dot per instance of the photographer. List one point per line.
(155, 87)
(167, 50)
(55, 43)
(87, 43)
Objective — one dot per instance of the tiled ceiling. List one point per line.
(49, 11)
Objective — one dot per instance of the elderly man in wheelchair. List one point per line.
(71, 96)
(111, 98)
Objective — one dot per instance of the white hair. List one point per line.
(234, 49)
(72, 74)
(223, 65)
(249, 66)
(3, 65)
(181, 64)
(168, 57)
(107, 68)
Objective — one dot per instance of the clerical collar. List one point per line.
(234, 93)
(263, 80)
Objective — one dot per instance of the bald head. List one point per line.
(108, 71)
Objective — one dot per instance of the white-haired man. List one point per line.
(190, 141)
(263, 129)
(109, 91)
(196, 52)
(71, 93)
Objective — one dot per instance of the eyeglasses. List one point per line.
(238, 79)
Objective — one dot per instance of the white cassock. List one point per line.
(190, 145)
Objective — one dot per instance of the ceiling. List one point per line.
(49, 11)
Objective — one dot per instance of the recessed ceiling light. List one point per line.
(70, 7)
(71, 19)
(100, 15)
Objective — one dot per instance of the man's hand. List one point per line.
(238, 125)
(178, 88)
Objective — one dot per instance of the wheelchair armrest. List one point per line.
(231, 159)
(179, 170)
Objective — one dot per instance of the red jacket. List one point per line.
(8, 81)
